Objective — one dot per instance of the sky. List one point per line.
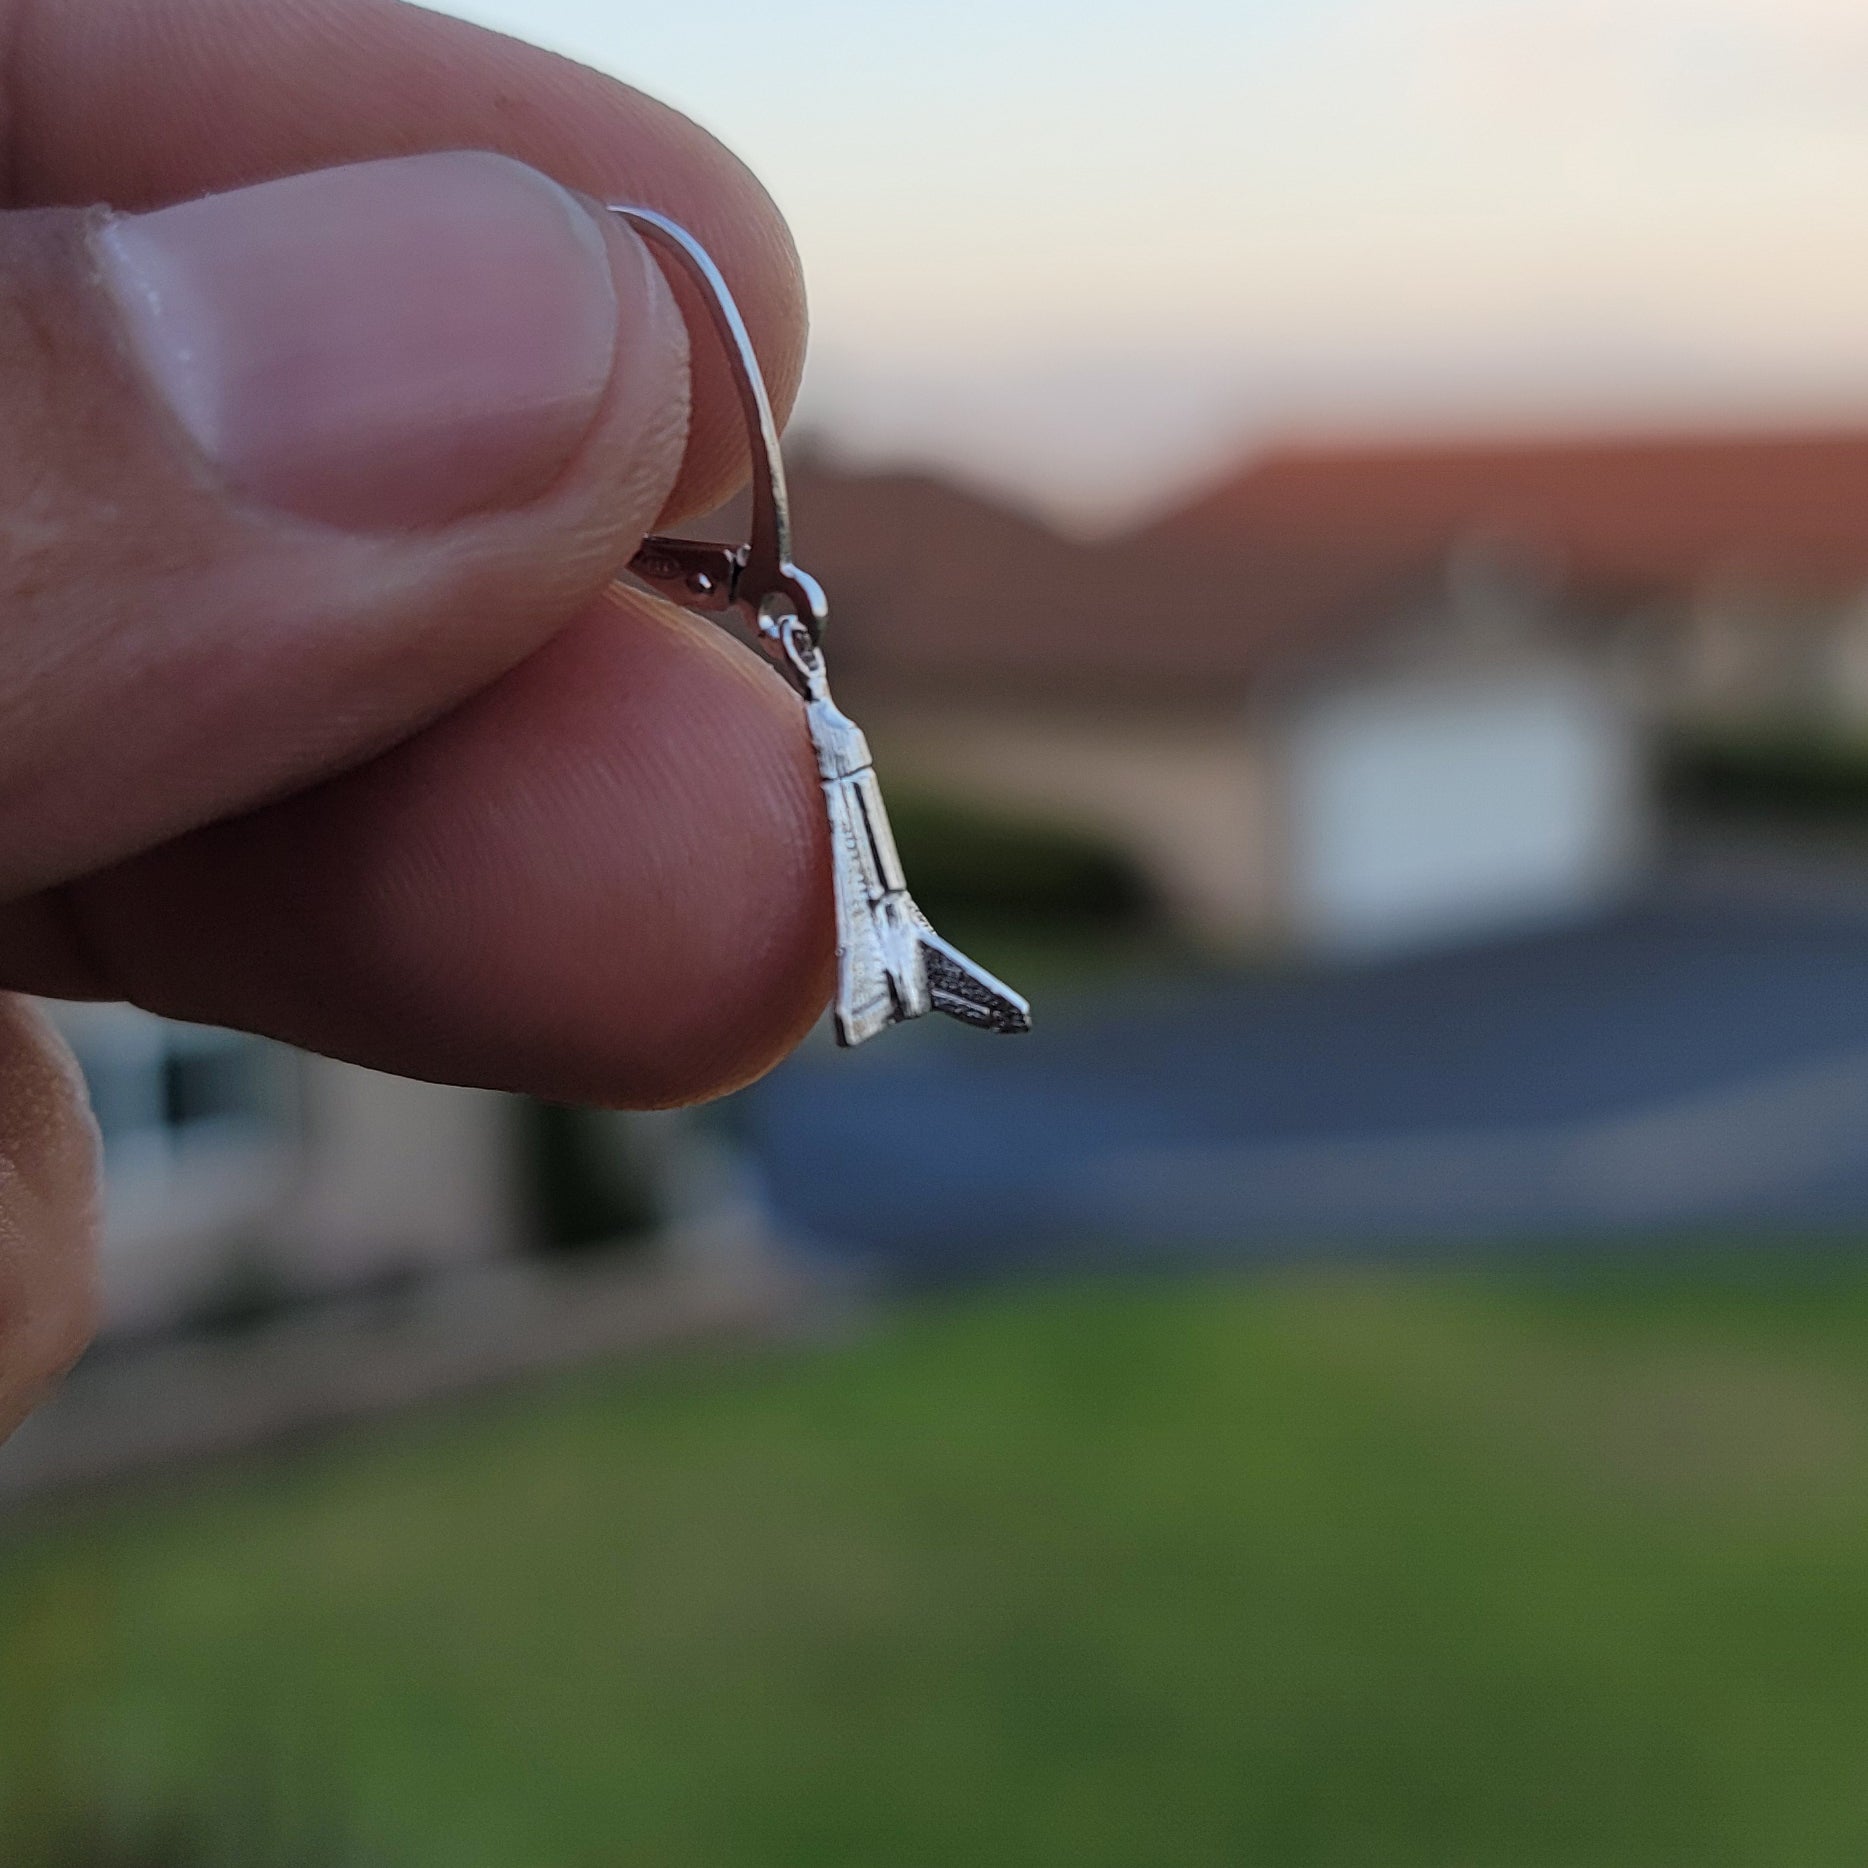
(1087, 251)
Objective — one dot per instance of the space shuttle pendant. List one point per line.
(891, 965)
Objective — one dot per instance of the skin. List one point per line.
(451, 807)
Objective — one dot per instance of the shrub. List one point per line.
(1781, 774)
(966, 860)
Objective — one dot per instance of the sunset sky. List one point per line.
(1084, 249)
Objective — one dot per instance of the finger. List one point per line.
(293, 469)
(601, 880)
(142, 102)
(48, 1209)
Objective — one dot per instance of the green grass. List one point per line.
(1348, 1571)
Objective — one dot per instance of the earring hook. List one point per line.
(759, 575)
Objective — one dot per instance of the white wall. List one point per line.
(1443, 807)
(188, 1191)
(398, 1175)
(289, 1172)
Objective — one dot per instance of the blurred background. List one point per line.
(1347, 527)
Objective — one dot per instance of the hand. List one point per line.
(317, 716)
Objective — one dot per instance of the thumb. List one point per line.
(293, 469)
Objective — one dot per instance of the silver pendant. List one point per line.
(891, 965)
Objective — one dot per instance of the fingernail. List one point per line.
(394, 344)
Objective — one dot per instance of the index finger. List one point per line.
(140, 102)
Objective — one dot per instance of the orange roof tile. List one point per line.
(934, 586)
(1655, 511)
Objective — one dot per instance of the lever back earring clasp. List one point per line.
(891, 965)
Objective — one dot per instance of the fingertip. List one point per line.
(602, 880)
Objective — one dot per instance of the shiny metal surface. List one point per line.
(891, 965)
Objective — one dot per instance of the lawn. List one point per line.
(1348, 1569)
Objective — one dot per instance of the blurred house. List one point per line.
(241, 1174)
(1344, 748)
(1735, 565)
(1358, 698)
